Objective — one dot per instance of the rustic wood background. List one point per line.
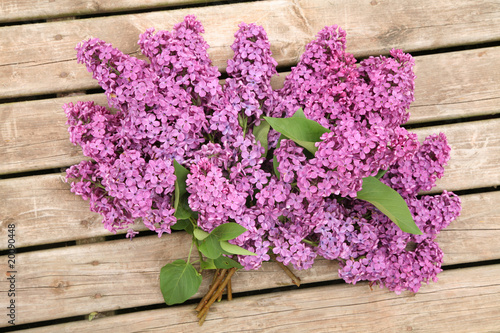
(69, 266)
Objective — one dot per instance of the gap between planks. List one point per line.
(39, 58)
(15, 10)
(463, 300)
(45, 212)
(37, 128)
(77, 280)
(475, 155)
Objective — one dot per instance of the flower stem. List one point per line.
(295, 279)
(200, 255)
(214, 286)
(307, 241)
(202, 319)
(215, 296)
(190, 250)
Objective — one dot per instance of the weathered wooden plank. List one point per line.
(100, 277)
(471, 88)
(465, 239)
(456, 85)
(103, 276)
(475, 154)
(34, 135)
(45, 211)
(42, 67)
(464, 300)
(15, 10)
(39, 58)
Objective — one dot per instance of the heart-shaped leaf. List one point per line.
(181, 205)
(179, 281)
(183, 211)
(260, 132)
(200, 234)
(208, 264)
(381, 173)
(275, 160)
(180, 225)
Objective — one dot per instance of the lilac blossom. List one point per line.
(172, 107)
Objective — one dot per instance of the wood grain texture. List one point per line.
(33, 135)
(456, 85)
(15, 10)
(77, 280)
(464, 300)
(466, 239)
(40, 58)
(48, 56)
(45, 211)
(475, 154)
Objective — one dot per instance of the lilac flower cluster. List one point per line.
(173, 107)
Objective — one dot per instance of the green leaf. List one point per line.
(183, 211)
(310, 146)
(181, 225)
(189, 229)
(381, 173)
(235, 249)
(208, 264)
(228, 231)
(179, 281)
(299, 114)
(260, 132)
(181, 206)
(225, 262)
(243, 121)
(226, 253)
(303, 131)
(200, 234)
(389, 202)
(275, 160)
(210, 247)
(92, 315)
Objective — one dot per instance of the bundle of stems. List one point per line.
(221, 280)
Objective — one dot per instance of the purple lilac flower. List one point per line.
(324, 61)
(363, 107)
(247, 91)
(172, 107)
(93, 127)
(402, 261)
(212, 195)
(345, 233)
(419, 172)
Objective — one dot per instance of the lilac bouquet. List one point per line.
(320, 167)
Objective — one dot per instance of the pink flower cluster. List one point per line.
(173, 107)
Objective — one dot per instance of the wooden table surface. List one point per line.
(69, 266)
